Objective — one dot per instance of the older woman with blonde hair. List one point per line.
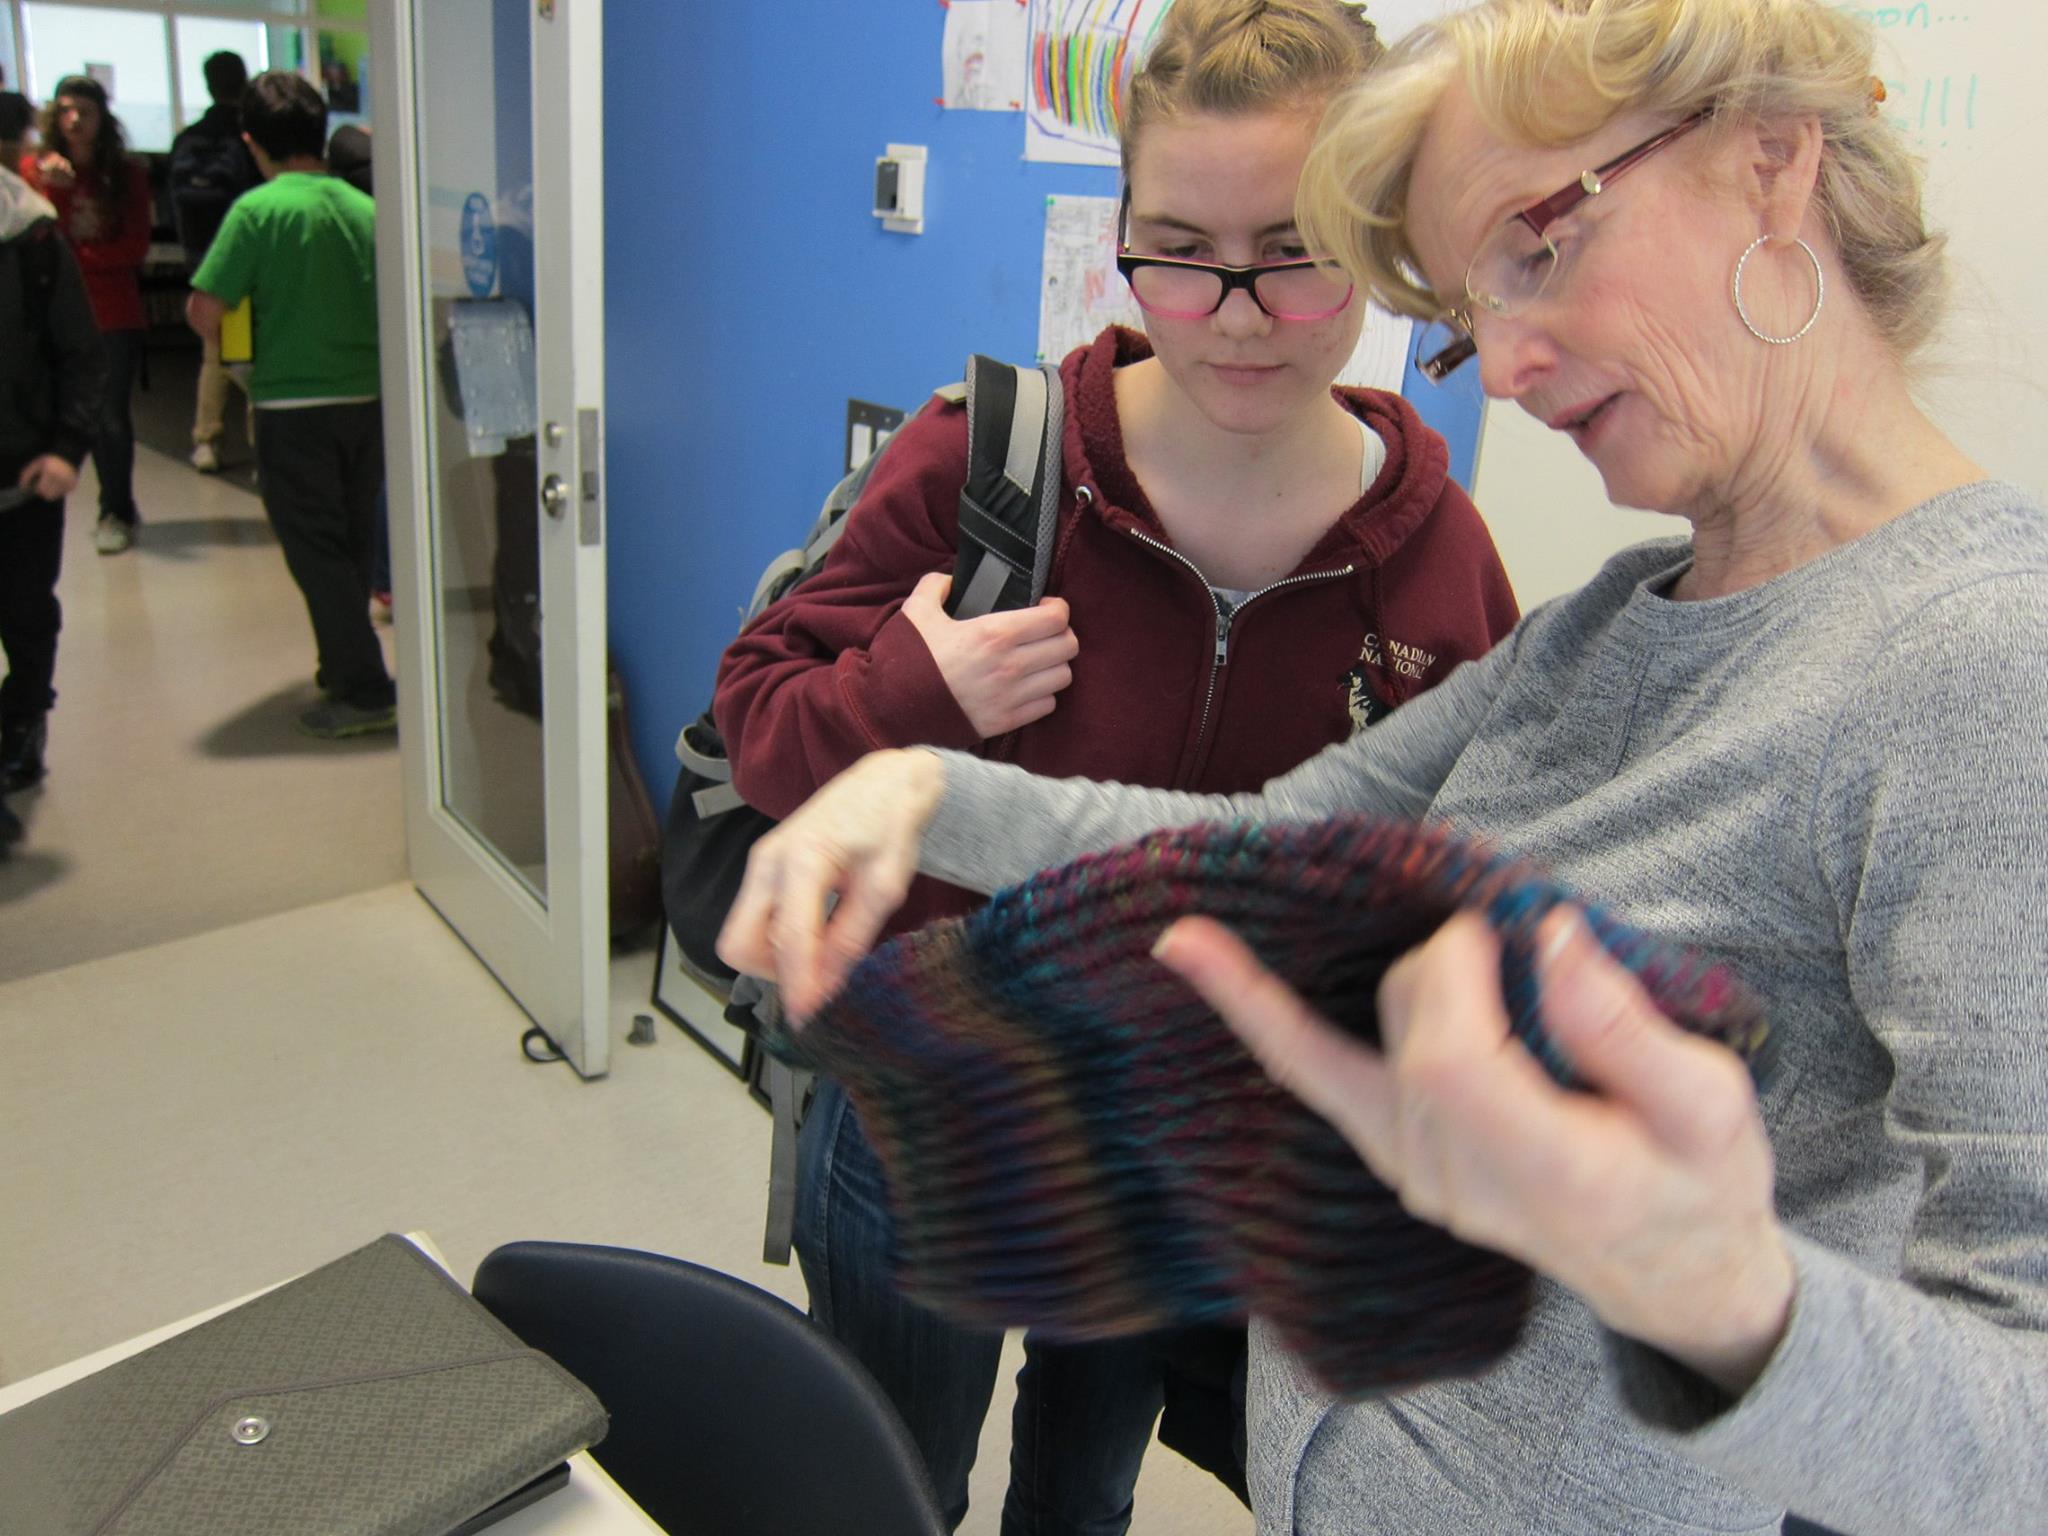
(1807, 740)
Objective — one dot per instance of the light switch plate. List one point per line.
(868, 426)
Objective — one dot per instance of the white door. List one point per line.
(490, 273)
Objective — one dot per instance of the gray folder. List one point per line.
(372, 1397)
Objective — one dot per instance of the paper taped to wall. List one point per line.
(984, 52)
(1080, 54)
(1080, 291)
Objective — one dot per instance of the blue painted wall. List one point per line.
(749, 291)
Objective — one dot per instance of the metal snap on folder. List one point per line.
(372, 1396)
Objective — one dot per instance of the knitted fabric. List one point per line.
(1074, 1141)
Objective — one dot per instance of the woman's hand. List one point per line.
(821, 885)
(55, 171)
(1003, 668)
(1649, 1194)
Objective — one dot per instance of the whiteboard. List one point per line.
(1963, 81)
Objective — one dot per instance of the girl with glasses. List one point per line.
(1805, 741)
(1251, 564)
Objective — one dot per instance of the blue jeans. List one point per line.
(1084, 1412)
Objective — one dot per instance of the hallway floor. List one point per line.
(235, 1043)
(180, 797)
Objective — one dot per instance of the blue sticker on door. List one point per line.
(479, 245)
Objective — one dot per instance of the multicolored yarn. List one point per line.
(1075, 1142)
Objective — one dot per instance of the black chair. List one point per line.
(731, 1411)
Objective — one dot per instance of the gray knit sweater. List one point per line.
(1838, 782)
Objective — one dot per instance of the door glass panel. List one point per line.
(201, 37)
(10, 67)
(273, 7)
(476, 186)
(128, 52)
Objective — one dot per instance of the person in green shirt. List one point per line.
(302, 249)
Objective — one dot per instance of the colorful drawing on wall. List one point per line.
(984, 55)
(1081, 54)
(1081, 290)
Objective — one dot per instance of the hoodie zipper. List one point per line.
(1221, 657)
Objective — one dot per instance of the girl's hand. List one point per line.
(1649, 1194)
(55, 170)
(1003, 668)
(821, 885)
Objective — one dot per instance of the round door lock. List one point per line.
(554, 495)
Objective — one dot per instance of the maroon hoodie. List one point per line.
(1403, 587)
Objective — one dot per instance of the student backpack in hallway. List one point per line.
(1008, 508)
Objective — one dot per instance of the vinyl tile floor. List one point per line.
(235, 1043)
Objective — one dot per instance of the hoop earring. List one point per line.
(1820, 293)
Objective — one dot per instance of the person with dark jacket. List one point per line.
(49, 411)
(210, 168)
(348, 156)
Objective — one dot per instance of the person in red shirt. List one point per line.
(1250, 564)
(103, 206)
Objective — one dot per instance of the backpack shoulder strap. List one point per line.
(1009, 507)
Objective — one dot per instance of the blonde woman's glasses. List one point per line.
(1515, 264)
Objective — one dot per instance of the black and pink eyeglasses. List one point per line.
(1194, 290)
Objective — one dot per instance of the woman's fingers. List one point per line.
(1622, 1193)
(854, 843)
(796, 927)
(1474, 1104)
(1341, 1080)
(1691, 1094)
(743, 936)
(867, 894)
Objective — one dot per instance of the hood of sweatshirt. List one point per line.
(1398, 501)
(22, 207)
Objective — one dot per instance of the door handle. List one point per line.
(554, 495)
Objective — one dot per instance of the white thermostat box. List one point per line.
(899, 188)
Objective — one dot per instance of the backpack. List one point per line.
(1009, 511)
(208, 172)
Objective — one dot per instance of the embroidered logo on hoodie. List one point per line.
(1362, 696)
(1368, 684)
(1404, 660)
